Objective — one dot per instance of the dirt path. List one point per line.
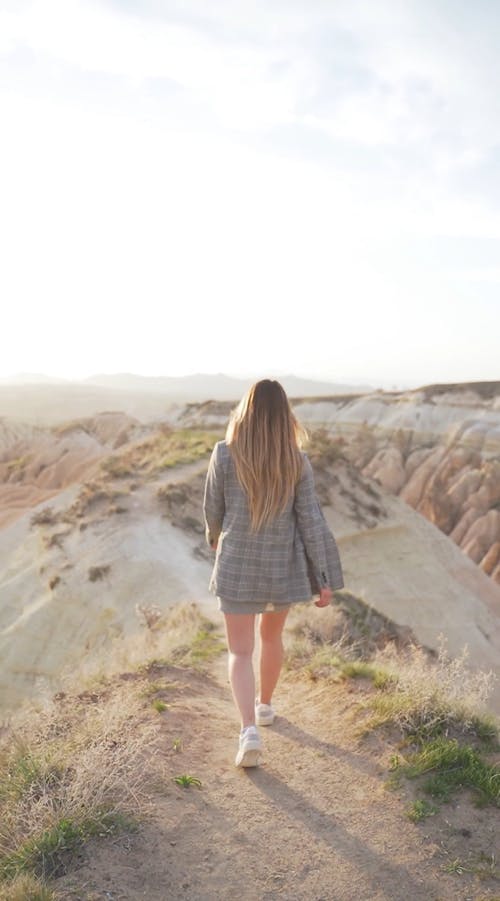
(313, 823)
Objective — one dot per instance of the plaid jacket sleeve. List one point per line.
(213, 500)
(324, 565)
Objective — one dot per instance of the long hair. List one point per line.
(265, 440)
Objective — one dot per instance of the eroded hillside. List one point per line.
(76, 567)
(438, 450)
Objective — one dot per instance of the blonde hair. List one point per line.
(265, 440)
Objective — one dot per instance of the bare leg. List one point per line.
(271, 652)
(240, 631)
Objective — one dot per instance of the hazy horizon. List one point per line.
(315, 187)
(43, 377)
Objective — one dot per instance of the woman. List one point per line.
(273, 546)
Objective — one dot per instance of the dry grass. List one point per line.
(26, 888)
(94, 495)
(337, 643)
(68, 771)
(421, 694)
(430, 697)
(47, 516)
(170, 634)
(324, 450)
(349, 624)
(73, 767)
(435, 708)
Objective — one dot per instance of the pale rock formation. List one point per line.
(36, 463)
(491, 559)
(387, 467)
(414, 489)
(438, 448)
(463, 486)
(487, 495)
(415, 459)
(481, 535)
(462, 527)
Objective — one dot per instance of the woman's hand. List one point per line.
(325, 597)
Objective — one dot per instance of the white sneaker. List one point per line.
(250, 748)
(264, 714)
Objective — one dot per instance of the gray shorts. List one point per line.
(226, 606)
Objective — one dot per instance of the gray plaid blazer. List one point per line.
(287, 560)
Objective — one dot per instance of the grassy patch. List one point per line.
(453, 766)
(159, 705)
(419, 810)
(206, 644)
(333, 662)
(168, 447)
(425, 699)
(25, 770)
(46, 854)
(363, 669)
(180, 447)
(71, 770)
(325, 663)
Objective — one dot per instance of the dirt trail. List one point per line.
(313, 823)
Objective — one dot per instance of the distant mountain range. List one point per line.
(218, 386)
(32, 378)
(198, 386)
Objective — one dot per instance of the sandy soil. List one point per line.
(314, 822)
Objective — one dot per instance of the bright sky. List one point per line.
(279, 186)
